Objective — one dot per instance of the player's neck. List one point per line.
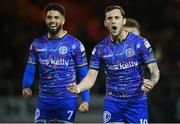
(119, 37)
(60, 34)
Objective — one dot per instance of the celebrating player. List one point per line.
(124, 55)
(60, 58)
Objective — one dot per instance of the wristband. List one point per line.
(78, 90)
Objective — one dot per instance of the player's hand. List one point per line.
(84, 107)
(73, 88)
(26, 92)
(147, 85)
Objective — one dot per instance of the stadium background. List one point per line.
(22, 21)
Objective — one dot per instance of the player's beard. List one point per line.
(53, 32)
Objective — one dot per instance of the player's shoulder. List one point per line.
(103, 43)
(74, 42)
(72, 38)
(39, 39)
(135, 36)
(141, 41)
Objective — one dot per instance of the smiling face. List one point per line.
(54, 21)
(114, 21)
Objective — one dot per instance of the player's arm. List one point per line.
(155, 75)
(28, 79)
(81, 73)
(86, 83)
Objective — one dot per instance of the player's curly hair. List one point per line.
(112, 7)
(55, 6)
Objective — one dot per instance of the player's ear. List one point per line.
(105, 23)
(63, 20)
(124, 21)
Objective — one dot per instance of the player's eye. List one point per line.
(56, 17)
(109, 18)
(49, 17)
(117, 17)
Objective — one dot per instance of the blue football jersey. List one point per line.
(124, 63)
(57, 60)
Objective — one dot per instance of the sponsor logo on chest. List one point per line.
(122, 65)
(54, 61)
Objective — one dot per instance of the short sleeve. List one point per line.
(95, 59)
(80, 57)
(32, 54)
(147, 52)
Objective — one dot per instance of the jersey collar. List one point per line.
(60, 35)
(123, 36)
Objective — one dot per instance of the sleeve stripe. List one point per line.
(31, 63)
(148, 62)
(81, 65)
(93, 67)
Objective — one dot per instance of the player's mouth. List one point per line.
(53, 26)
(114, 28)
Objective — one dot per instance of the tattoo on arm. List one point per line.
(155, 74)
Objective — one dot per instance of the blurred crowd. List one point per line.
(23, 20)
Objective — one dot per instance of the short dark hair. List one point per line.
(55, 6)
(132, 23)
(112, 7)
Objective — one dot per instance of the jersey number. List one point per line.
(143, 121)
(70, 114)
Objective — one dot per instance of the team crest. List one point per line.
(63, 50)
(106, 116)
(129, 52)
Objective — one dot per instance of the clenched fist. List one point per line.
(147, 85)
(26, 92)
(84, 107)
(73, 88)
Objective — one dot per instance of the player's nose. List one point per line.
(52, 20)
(113, 21)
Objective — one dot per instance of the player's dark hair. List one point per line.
(132, 23)
(55, 6)
(112, 7)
